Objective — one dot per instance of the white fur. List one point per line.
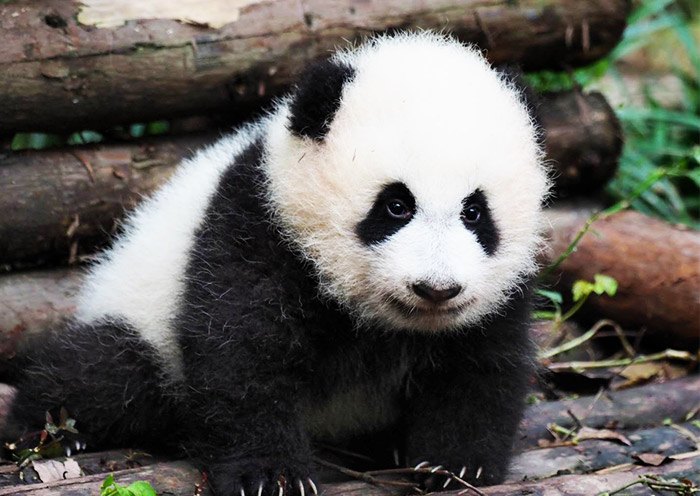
(431, 113)
(141, 278)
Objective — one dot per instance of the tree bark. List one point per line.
(634, 408)
(42, 192)
(34, 302)
(657, 266)
(60, 204)
(583, 140)
(593, 455)
(59, 75)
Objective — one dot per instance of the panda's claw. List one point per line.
(422, 464)
(461, 472)
(435, 469)
(260, 489)
(242, 492)
(313, 486)
(301, 488)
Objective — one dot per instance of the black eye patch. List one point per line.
(477, 217)
(393, 208)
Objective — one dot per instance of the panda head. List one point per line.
(409, 173)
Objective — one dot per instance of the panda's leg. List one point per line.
(107, 378)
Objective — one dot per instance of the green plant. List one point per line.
(45, 443)
(656, 137)
(580, 292)
(138, 488)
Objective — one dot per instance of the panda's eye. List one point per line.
(398, 209)
(472, 214)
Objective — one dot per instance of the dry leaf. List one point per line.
(605, 434)
(653, 459)
(641, 371)
(52, 470)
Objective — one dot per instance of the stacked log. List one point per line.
(59, 74)
(60, 204)
(657, 266)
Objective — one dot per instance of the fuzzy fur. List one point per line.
(241, 315)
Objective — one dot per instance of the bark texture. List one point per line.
(60, 204)
(592, 455)
(59, 75)
(635, 408)
(657, 266)
(33, 302)
(583, 140)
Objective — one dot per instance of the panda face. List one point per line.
(419, 200)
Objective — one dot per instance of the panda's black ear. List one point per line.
(316, 98)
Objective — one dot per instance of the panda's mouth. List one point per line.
(412, 311)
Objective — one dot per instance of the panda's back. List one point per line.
(140, 279)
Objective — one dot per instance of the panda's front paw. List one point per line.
(255, 477)
(440, 478)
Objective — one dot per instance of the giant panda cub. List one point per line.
(352, 266)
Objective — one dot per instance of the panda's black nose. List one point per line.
(436, 295)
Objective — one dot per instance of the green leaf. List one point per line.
(581, 289)
(141, 488)
(604, 284)
(108, 487)
(553, 296)
(138, 488)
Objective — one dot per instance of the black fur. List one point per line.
(317, 97)
(378, 225)
(107, 379)
(263, 355)
(485, 228)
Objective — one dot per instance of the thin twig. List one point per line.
(364, 476)
(602, 364)
(429, 470)
(573, 343)
(656, 483)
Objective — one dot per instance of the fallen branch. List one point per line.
(60, 75)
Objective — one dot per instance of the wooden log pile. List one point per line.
(59, 204)
(61, 74)
(57, 71)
